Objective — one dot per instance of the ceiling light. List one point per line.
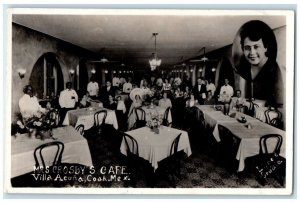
(154, 61)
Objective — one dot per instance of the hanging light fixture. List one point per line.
(154, 61)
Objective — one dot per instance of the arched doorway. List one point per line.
(46, 76)
(226, 71)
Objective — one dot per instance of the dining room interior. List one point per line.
(148, 100)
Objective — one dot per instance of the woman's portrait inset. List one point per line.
(255, 61)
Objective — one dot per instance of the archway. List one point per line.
(47, 77)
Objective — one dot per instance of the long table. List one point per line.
(85, 116)
(249, 137)
(213, 118)
(22, 149)
(155, 147)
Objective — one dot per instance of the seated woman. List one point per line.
(85, 101)
(210, 100)
(191, 101)
(120, 104)
(111, 103)
(165, 102)
(137, 102)
(29, 105)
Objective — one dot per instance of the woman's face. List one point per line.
(110, 98)
(137, 97)
(254, 51)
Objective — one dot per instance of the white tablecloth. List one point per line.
(213, 118)
(155, 147)
(22, 149)
(85, 116)
(249, 139)
(156, 110)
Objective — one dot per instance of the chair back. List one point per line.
(131, 144)
(80, 129)
(140, 117)
(174, 146)
(252, 107)
(274, 121)
(40, 151)
(264, 147)
(165, 119)
(97, 121)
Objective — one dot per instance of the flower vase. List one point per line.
(32, 132)
(155, 129)
(44, 134)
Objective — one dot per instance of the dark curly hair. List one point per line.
(25, 89)
(256, 30)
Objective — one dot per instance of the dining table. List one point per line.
(213, 117)
(248, 132)
(150, 111)
(156, 147)
(85, 116)
(76, 150)
(249, 138)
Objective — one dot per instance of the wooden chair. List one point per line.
(266, 151)
(251, 109)
(39, 156)
(274, 121)
(80, 129)
(43, 166)
(140, 118)
(97, 122)
(171, 166)
(136, 165)
(165, 121)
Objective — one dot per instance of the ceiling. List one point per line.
(128, 38)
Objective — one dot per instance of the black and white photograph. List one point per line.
(150, 101)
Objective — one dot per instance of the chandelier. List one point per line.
(154, 61)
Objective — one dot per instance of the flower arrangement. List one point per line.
(40, 124)
(155, 121)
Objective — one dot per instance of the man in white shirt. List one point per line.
(67, 100)
(237, 102)
(127, 87)
(226, 89)
(29, 104)
(93, 88)
(116, 81)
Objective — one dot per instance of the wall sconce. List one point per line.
(213, 69)
(120, 71)
(71, 71)
(106, 71)
(200, 70)
(191, 70)
(22, 72)
(93, 71)
(114, 71)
